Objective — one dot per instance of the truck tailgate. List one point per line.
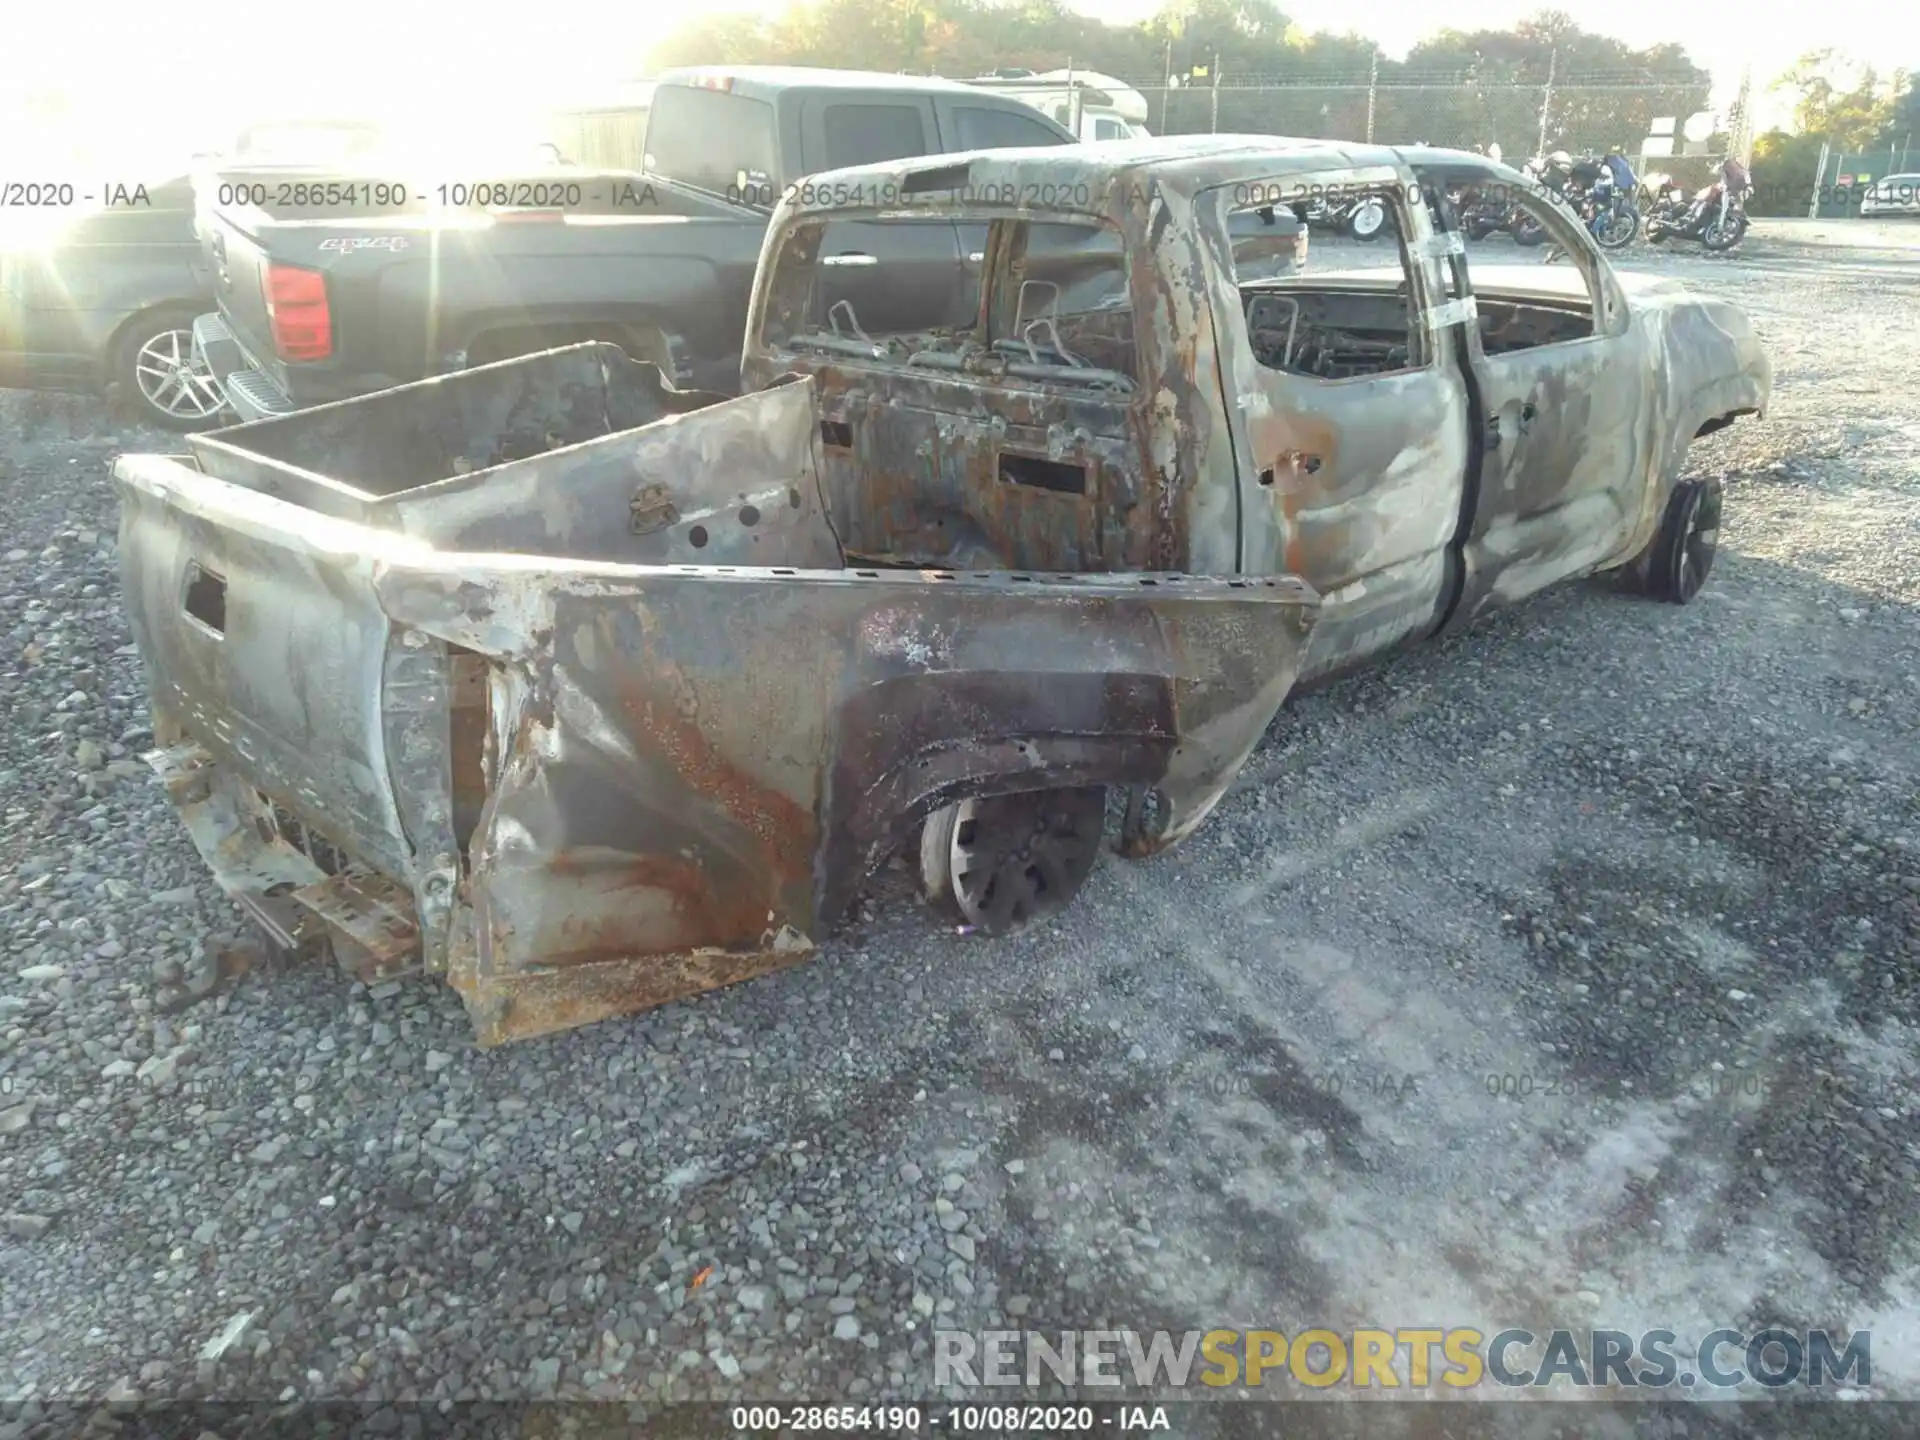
(239, 263)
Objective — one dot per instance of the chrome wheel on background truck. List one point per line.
(157, 378)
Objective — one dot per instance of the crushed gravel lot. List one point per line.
(1567, 972)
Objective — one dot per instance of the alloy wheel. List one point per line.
(171, 383)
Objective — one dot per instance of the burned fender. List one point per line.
(693, 772)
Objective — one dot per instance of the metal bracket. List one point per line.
(1454, 312)
(1441, 244)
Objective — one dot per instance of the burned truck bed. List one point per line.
(553, 680)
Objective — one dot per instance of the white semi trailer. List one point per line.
(1092, 105)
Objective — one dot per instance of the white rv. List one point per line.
(1092, 105)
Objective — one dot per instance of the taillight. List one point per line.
(1300, 248)
(297, 313)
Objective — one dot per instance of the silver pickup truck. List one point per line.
(588, 693)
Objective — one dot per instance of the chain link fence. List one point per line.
(1523, 120)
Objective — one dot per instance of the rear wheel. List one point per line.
(1528, 232)
(1688, 538)
(155, 377)
(1000, 863)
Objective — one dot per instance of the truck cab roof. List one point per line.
(1180, 164)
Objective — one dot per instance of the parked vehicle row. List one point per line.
(101, 283)
(936, 589)
(312, 309)
(106, 303)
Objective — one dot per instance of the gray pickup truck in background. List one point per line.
(321, 305)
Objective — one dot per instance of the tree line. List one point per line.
(1854, 110)
(1456, 88)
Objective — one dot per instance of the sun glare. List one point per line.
(113, 87)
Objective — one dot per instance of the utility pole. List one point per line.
(1166, 95)
(1213, 125)
(1373, 79)
(1073, 101)
(1819, 181)
(1546, 99)
(1741, 141)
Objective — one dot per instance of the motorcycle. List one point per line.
(1607, 212)
(1718, 222)
(1481, 212)
(1523, 227)
(1364, 217)
(1611, 217)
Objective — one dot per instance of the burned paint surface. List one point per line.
(576, 772)
(589, 693)
(1529, 432)
(712, 764)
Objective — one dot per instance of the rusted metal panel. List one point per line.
(578, 786)
(1502, 456)
(1357, 484)
(373, 914)
(547, 455)
(702, 768)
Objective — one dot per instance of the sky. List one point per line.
(368, 52)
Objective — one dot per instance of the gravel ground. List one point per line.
(1658, 867)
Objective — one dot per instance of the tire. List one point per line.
(1618, 229)
(1688, 538)
(1714, 237)
(1368, 222)
(998, 864)
(1479, 230)
(1528, 234)
(151, 376)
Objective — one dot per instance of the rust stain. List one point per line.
(704, 915)
(505, 1008)
(1277, 439)
(785, 828)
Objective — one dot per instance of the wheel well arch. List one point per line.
(109, 358)
(506, 339)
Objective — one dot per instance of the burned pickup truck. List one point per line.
(588, 693)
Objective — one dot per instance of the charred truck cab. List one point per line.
(588, 693)
(1138, 384)
(1139, 388)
